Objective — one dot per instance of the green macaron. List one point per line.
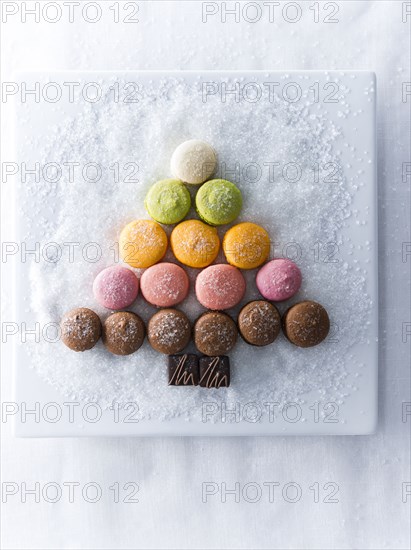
(218, 202)
(168, 201)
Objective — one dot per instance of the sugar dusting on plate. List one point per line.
(273, 152)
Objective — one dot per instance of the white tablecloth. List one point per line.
(372, 473)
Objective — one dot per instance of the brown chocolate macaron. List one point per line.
(215, 333)
(169, 331)
(80, 329)
(123, 332)
(306, 324)
(259, 323)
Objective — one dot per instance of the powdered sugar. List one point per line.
(254, 142)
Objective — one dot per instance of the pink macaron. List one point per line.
(278, 280)
(220, 286)
(164, 284)
(115, 287)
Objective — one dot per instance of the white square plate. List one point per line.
(346, 99)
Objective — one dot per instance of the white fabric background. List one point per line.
(370, 471)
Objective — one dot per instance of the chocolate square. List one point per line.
(214, 371)
(183, 370)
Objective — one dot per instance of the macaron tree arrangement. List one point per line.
(218, 287)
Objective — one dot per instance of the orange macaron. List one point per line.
(246, 245)
(142, 243)
(195, 243)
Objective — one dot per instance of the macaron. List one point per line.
(279, 279)
(80, 329)
(123, 332)
(306, 324)
(246, 245)
(218, 202)
(259, 323)
(164, 284)
(220, 286)
(142, 243)
(215, 333)
(194, 161)
(115, 287)
(194, 243)
(168, 201)
(169, 331)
